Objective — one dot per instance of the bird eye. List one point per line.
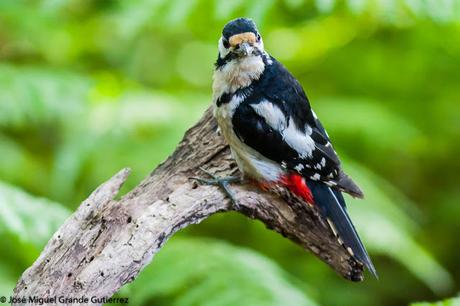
(225, 43)
(258, 37)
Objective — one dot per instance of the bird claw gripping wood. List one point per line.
(222, 182)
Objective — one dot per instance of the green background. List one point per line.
(89, 87)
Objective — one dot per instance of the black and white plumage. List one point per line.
(275, 137)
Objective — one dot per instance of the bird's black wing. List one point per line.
(253, 130)
(277, 121)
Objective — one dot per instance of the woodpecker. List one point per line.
(275, 137)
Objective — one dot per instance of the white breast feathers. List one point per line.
(237, 74)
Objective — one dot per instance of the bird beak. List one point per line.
(244, 49)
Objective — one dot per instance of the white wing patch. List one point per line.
(299, 167)
(292, 135)
(323, 162)
(272, 115)
(316, 177)
(299, 141)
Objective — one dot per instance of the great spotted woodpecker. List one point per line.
(274, 135)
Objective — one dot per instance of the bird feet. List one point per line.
(222, 182)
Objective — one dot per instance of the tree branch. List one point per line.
(107, 242)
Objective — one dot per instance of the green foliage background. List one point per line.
(88, 87)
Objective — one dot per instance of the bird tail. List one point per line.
(332, 206)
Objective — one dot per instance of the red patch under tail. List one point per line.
(291, 183)
(296, 183)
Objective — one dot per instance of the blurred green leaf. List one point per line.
(208, 272)
(447, 302)
(38, 95)
(8, 279)
(387, 228)
(26, 224)
(33, 220)
(370, 120)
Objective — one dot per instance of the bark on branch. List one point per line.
(107, 242)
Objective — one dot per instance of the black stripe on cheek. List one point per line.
(224, 99)
(223, 61)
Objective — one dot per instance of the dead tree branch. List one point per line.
(107, 242)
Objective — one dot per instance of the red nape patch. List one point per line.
(297, 185)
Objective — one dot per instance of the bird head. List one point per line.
(240, 38)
